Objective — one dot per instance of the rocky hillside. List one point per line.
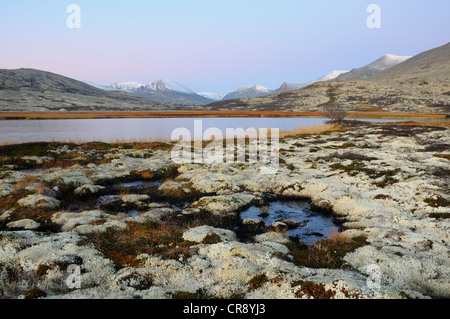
(420, 84)
(35, 90)
(419, 71)
(385, 62)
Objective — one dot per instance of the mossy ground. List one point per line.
(258, 281)
(327, 253)
(124, 246)
(313, 290)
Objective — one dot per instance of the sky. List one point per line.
(213, 45)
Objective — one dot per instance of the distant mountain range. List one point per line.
(391, 83)
(161, 91)
(397, 83)
(260, 91)
(385, 62)
(171, 92)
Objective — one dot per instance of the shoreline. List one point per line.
(202, 114)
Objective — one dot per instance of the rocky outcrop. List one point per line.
(39, 201)
(199, 234)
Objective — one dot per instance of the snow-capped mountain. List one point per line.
(250, 91)
(164, 85)
(125, 86)
(286, 87)
(429, 66)
(177, 87)
(330, 76)
(158, 85)
(162, 91)
(169, 91)
(385, 62)
(212, 96)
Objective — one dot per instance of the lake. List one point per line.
(109, 130)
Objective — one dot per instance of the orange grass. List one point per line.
(201, 113)
(339, 237)
(310, 130)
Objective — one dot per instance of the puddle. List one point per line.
(106, 200)
(138, 185)
(180, 206)
(133, 213)
(313, 226)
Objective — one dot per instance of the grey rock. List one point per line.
(27, 224)
(291, 224)
(39, 201)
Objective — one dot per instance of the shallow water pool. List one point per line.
(314, 226)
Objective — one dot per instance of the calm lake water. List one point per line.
(109, 130)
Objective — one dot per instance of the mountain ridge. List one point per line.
(165, 91)
(430, 65)
(248, 91)
(418, 84)
(35, 90)
(385, 62)
(287, 87)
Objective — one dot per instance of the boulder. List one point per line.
(291, 224)
(47, 192)
(272, 237)
(252, 227)
(88, 189)
(225, 205)
(124, 202)
(27, 224)
(6, 215)
(39, 201)
(157, 215)
(279, 227)
(87, 222)
(198, 234)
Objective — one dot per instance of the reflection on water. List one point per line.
(109, 130)
(313, 226)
